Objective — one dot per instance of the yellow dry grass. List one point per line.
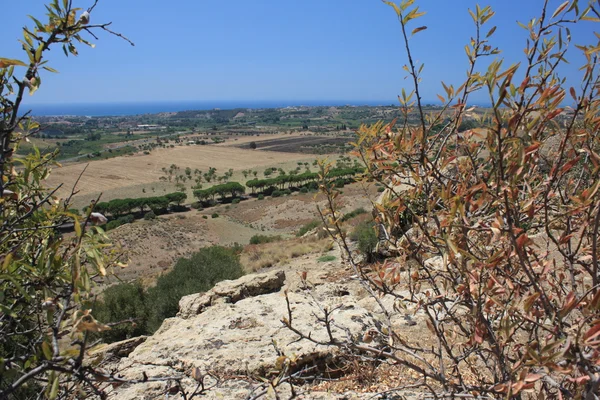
(126, 176)
(259, 256)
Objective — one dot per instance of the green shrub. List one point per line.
(235, 201)
(215, 215)
(304, 190)
(287, 192)
(258, 239)
(191, 275)
(119, 303)
(197, 205)
(261, 197)
(276, 193)
(366, 237)
(204, 217)
(380, 189)
(112, 225)
(339, 183)
(326, 258)
(353, 214)
(308, 227)
(149, 216)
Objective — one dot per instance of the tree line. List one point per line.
(298, 180)
(230, 188)
(117, 207)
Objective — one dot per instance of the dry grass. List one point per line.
(114, 177)
(259, 256)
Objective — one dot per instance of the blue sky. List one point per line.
(265, 49)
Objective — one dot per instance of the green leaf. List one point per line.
(47, 350)
(50, 70)
(7, 62)
(55, 385)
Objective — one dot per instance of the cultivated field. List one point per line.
(300, 144)
(129, 176)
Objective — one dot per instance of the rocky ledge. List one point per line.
(233, 334)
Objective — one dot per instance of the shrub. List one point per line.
(197, 206)
(326, 258)
(258, 239)
(204, 217)
(498, 244)
(191, 275)
(381, 189)
(287, 192)
(340, 183)
(308, 227)
(304, 190)
(215, 215)
(235, 201)
(119, 303)
(149, 216)
(366, 237)
(353, 214)
(277, 193)
(261, 197)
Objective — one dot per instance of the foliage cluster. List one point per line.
(146, 309)
(299, 180)
(233, 189)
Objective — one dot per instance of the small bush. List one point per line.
(149, 216)
(215, 215)
(112, 225)
(197, 205)
(353, 214)
(259, 239)
(304, 190)
(261, 197)
(276, 193)
(119, 303)
(366, 236)
(287, 192)
(308, 227)
(235, 201)
(196, 274)
(204, 217)
(339, 183)
(326, 258)
(380, 189)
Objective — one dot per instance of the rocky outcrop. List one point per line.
(235, 333)
(114, 351)
(231, 292)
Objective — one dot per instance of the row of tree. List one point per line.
(298, 180)
(231, 188)
(126, 206)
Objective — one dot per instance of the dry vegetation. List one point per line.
(259, 256)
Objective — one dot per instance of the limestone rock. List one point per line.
(231, 291)
(104, 353)
(242, 338)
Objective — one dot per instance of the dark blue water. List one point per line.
(116, 109)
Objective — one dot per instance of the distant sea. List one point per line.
(120, 109)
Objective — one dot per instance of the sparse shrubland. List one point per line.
(260, 239)
(259, 256)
